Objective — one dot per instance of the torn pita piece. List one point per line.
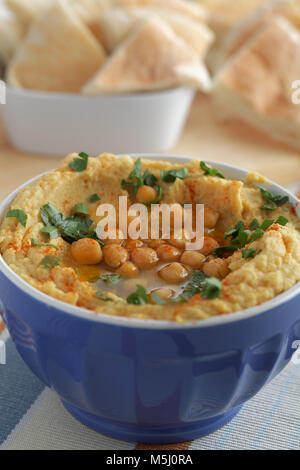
(117, 23)
(11, 32)
(28, 10)
(59, 54)
(182, 7)
(90, 11)
(256, 84)
(153, 57)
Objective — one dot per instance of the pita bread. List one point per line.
(117, 23)
(28, 10)
(59, 54)
(244, 29)
(256, 84)
(153, 57)
(11, 32)
(90, 11)
(182, 7)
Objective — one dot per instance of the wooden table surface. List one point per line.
(203, 137)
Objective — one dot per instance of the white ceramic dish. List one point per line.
(57, 123)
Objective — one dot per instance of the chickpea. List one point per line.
(144, 258)
(115, 255)
(192, 258)
(128, 269)
(210, 217)
(209, 245)
(181, 241)
(155, 243)
(86, 251)
(146, 194)
(113, 238)
(164, 293)
(174, 273)
(216, 268)
(168, 253)
(132, 244)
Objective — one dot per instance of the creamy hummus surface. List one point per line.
(251, 249)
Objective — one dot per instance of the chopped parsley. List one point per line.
(80, 163)
(50, 261)
(208, 170)
(94, 198)
(74, 228)
(212, 288)
(111, 278)
(81, 209)
(240, 236)
(50, 215)
(52, 231)
(170, 176)
(139, 297)
(250, 253)
(273, 201)
(20, 215)
(136, 179)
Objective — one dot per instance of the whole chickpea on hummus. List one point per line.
(250, 254)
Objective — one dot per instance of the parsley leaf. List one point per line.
(272, 199)
(157, 299)
(20, 215)
(50, 215)
(50, 261)
(81, 209)
(94, 198)
(52, 231)
(111, 278)
(170, 176)
(74, 228)
(103, 296)
(281, 221)
(139, 297)
(212, 288)
(250, 253)
(80, 163)
(208, 170)
(148, 179)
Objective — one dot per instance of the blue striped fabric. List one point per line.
(18, 390)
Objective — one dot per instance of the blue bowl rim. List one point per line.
(153, 324)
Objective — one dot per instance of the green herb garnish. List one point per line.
(212, 288)
(34, 242)
(157, 299)
(111, 278)
(281, 220)
(52, 231)
(139, 297)
(20, 215)
(136, 179)
(170, 176)
(94, 198)
(250, 253)
(103, 296)
(208, 170)
(81, 209)
(74, 228)
(80, 163)
(273, 200)
(50, 215)
(50, 262)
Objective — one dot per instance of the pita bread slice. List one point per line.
(153, 57)
(191, 9)
(28, 10)
(11, 32)
(117, 23)
(256, 84)
(90, 11)
(59, 54)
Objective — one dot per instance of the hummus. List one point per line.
(254, 235)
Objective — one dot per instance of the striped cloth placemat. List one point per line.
(32, 417)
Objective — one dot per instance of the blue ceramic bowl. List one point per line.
(150, 381)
